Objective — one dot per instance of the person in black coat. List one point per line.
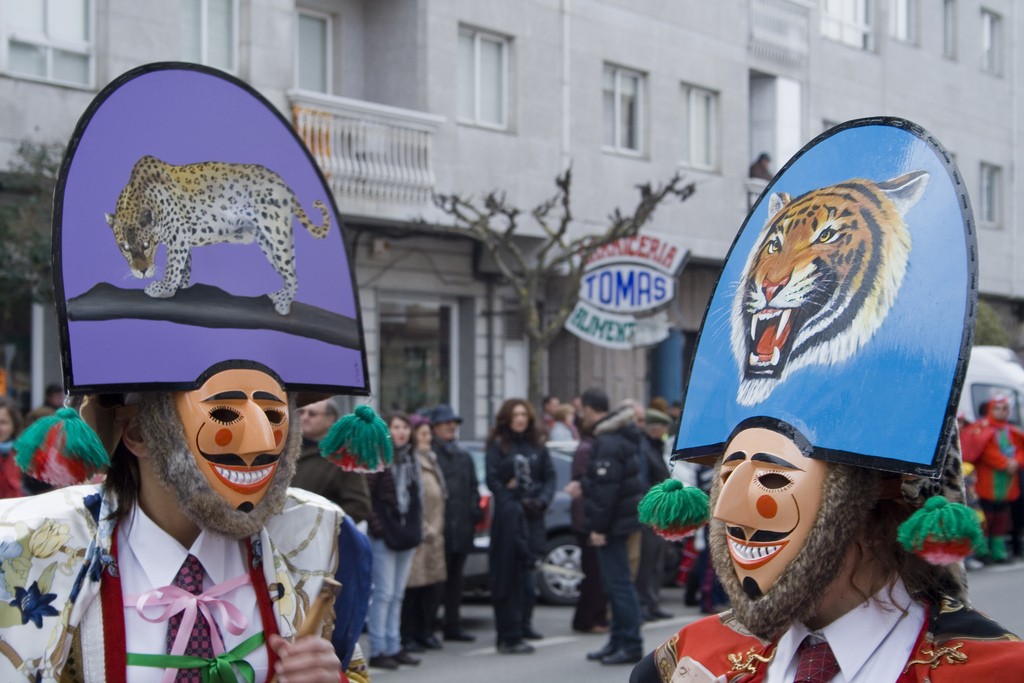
(652, 546)
(521, 478)
(461, 513)
(612, 488)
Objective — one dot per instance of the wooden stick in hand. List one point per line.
(317, 611)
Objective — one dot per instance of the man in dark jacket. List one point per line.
(652, 546)
(315, 473)
(612, 488)
(461, 513)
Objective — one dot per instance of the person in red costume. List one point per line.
(1000, 456)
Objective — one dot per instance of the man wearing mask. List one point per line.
(193, 559)
(837, 522)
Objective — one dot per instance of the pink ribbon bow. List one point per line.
(175, 600)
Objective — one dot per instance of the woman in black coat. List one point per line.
(521, 478)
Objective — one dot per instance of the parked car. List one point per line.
(558, 581)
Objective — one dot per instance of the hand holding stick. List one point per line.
(318, 612)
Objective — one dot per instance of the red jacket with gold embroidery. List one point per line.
(957, 643)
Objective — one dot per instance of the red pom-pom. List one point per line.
(49, 463)
(945, 552)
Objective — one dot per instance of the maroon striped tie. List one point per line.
(200, 643)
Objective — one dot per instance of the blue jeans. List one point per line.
(390, 574)
(613, 560)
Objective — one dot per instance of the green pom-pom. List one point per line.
(358, 442)
(673, 510)
(942, 532)
(60, 449)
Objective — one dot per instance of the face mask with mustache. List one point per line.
(777, 558)
(226, 450)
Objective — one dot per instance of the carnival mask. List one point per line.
(769, 499)
(236, 425)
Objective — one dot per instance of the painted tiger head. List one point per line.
(821, 278)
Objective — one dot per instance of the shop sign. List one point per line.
(627, 287)
(600, 327)
(633, 275)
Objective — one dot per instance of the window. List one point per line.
(417, 345)
(991, 42)
(623, 109)
(208, 30)
(903, 20)
(313, 62)
(50, 40)
(700, 129)
(949, 28)
(483, 79)
(848, 21)
(990, 208)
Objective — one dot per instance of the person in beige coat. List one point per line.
(426, 579)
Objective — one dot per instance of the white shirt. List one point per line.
(871, 642)
(149, 557)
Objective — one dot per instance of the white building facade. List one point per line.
(399, 99)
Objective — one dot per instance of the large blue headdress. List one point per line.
(846, 305)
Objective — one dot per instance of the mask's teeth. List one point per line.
(245, 478)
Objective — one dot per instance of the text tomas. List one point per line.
(626, 287)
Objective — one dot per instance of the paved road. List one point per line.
(560, 657)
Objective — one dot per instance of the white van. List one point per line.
(993, 371)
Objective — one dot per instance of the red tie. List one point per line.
(200, 644)
(816, 664)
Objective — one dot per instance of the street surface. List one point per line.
(560, 657)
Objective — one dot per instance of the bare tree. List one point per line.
(26, 191)
(494, 223)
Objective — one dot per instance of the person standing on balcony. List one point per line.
(762, 167)
(521, 478)
(462, 513)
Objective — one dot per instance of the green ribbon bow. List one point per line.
(220, 669)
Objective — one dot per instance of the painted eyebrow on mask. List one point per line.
(738, 455)
(265, 396)
(774, 460)
(227, 396)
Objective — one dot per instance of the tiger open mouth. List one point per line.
(772, 331)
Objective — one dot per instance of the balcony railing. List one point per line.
(366, 150)
(779, 30)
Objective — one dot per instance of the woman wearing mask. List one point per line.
(10, 425)
(521, 478)
(396, 528)
(426, 581)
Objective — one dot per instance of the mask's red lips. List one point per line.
(750, 555)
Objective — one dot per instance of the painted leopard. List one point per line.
(208, 203)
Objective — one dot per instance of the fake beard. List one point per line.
(161, 428)
(849, 497)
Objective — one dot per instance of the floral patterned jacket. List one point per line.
(55, 554)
